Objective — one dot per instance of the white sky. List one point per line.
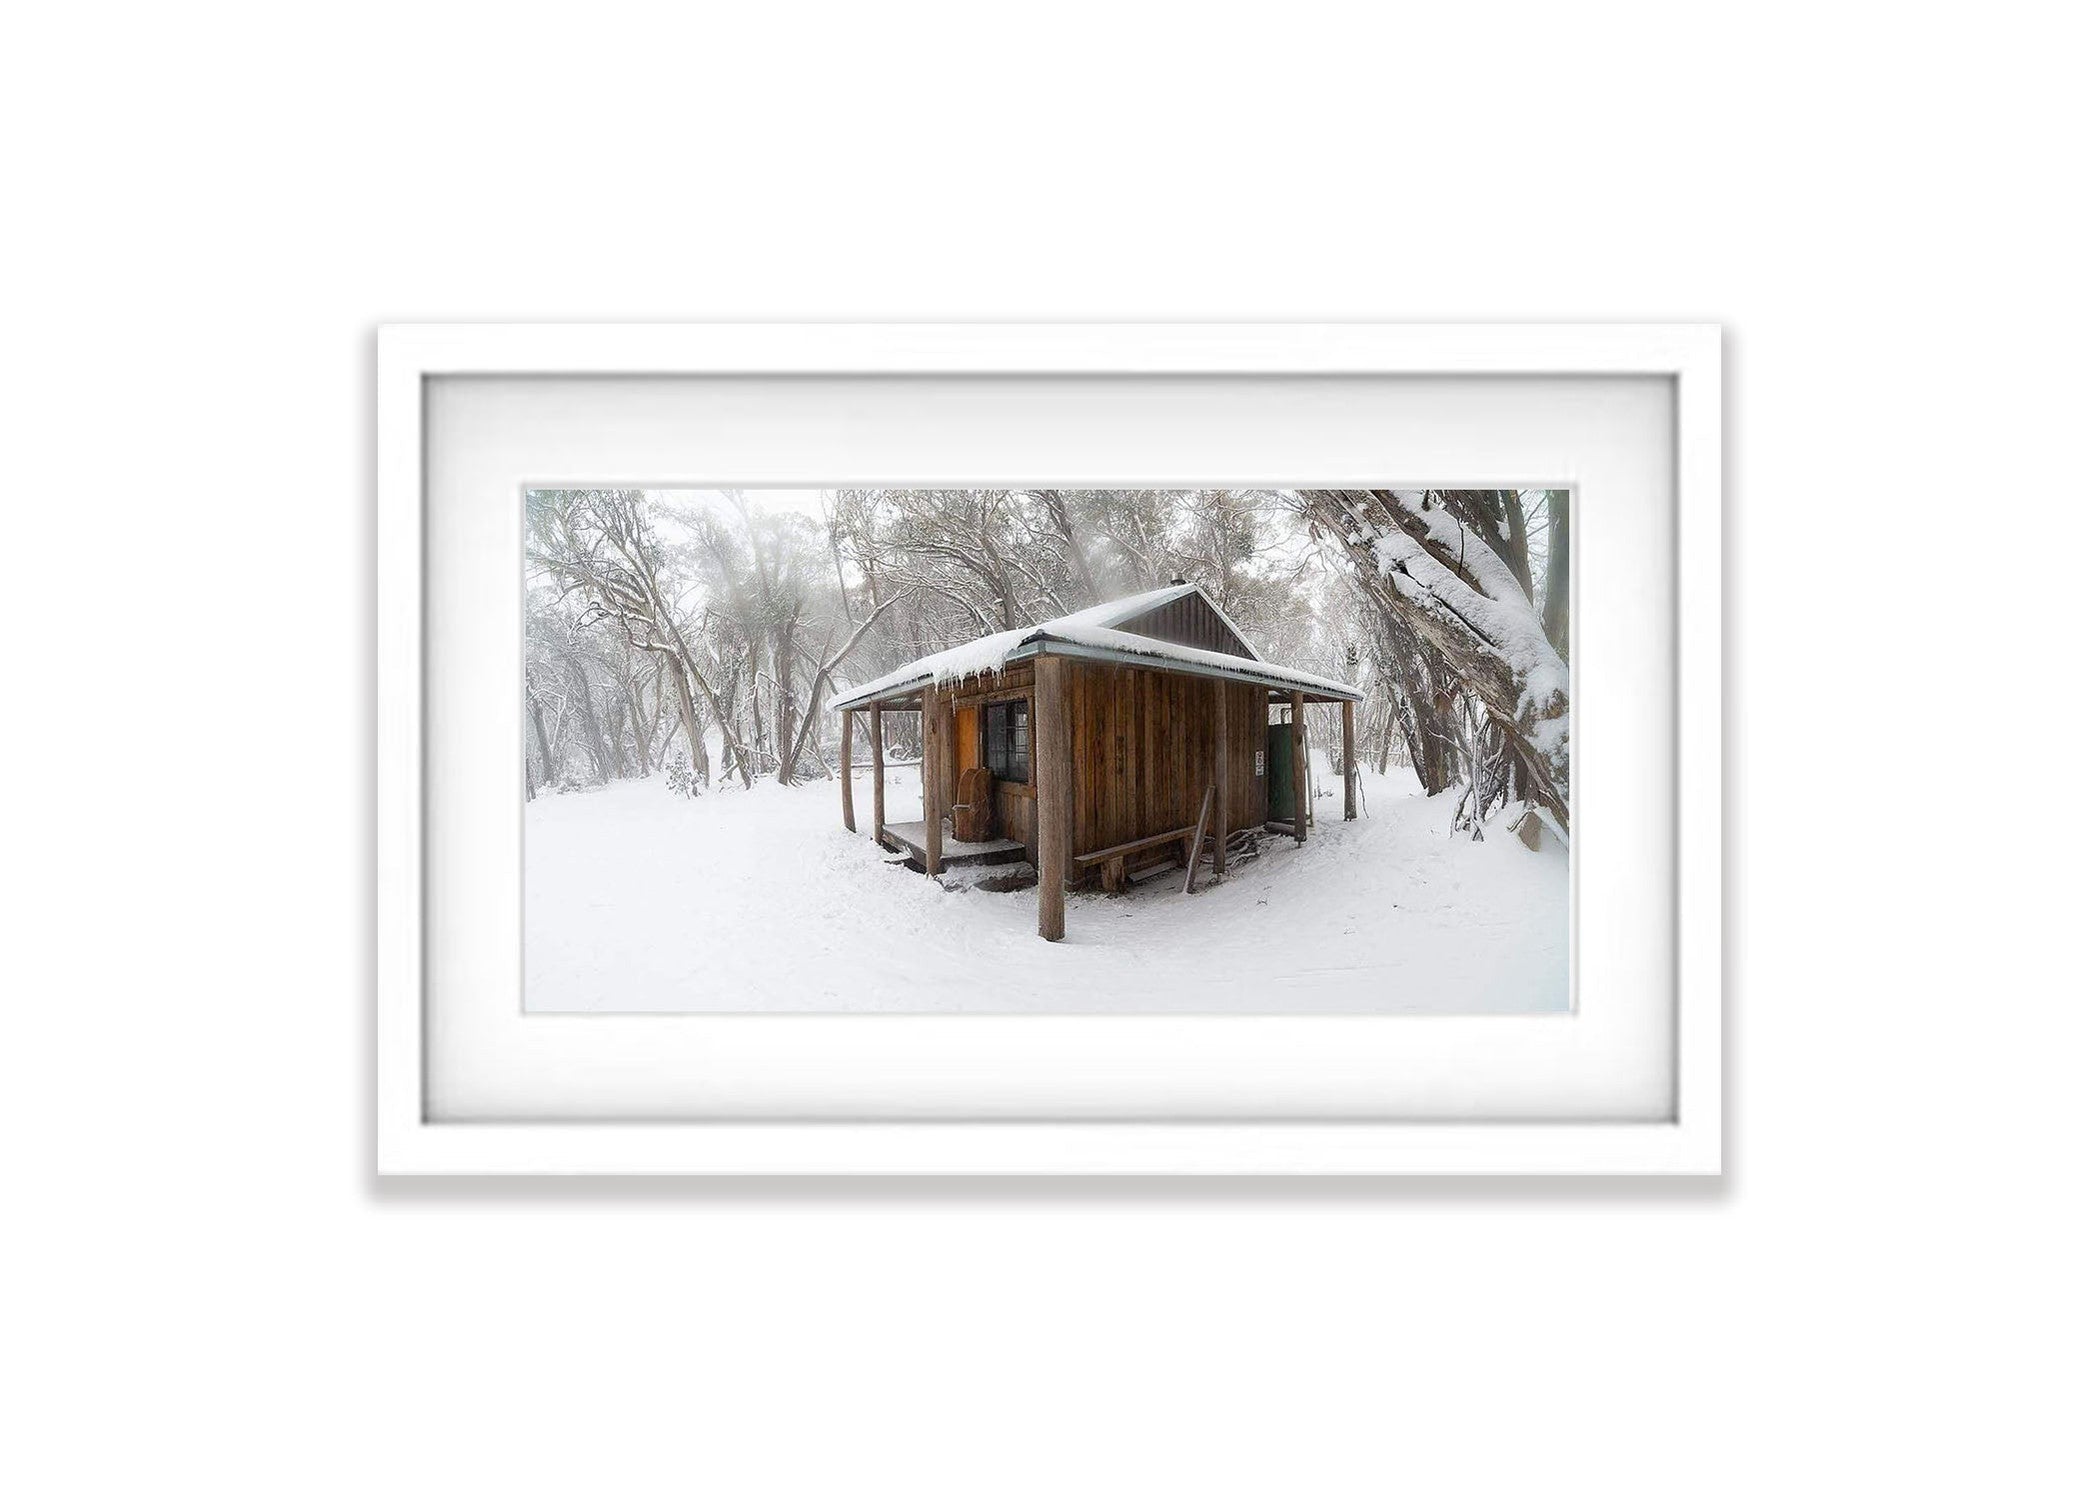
(807, 502)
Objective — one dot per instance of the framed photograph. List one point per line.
(1049, 749)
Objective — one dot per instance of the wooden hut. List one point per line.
(1101, 745)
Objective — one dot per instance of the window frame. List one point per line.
(1004, 711)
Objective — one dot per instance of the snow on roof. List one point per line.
(1092, 631)
(1118, 612)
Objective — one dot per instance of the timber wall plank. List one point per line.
(1144, 748)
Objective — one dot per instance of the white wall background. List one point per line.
(208, 211)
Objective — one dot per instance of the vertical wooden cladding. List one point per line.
(1016, 815)
(1188, 620)
(963, 703)
(1143, 752)
(951, 719)
(1144, 748)
(1220, 785)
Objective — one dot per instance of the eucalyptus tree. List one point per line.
(1443, 566)
(603, 545)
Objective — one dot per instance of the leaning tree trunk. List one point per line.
(693, 740)
(643, 730)
(1425, 720)
(1414, 559)
(616, 731)
(1074, 548)
(1432, 739)
(1518, 536)
(1558, 560)
(820, 670)
(539, 732)
(783, 706)
(593, 731)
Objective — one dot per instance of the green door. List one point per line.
(1282, 775)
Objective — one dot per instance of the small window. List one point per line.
(1006, 741)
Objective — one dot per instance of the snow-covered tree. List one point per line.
(602, 544)
(1450, 569)
(715, 619)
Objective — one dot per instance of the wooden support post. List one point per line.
(1052, 756)
(1195, 849)
(1221, 832)
(845, 766)
(933, 771)
(1300, 771)
(1348, 760)
(874, 736)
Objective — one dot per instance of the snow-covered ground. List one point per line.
(761, 901)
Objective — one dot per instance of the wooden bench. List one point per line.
(1115, 862)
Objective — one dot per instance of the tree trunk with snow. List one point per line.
(1516, 531)
(539, 732)
(644, 730)
(693, 738)
(587, 717)
(821, 677)
(1414, 557)
(1558, 566)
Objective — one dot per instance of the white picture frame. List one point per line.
(1684, 1138)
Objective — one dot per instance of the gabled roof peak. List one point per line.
(1096, 633)
(1118, 612)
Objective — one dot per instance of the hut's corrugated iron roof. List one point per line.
(1091, 634)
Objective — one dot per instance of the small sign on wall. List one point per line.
(1260, 763)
